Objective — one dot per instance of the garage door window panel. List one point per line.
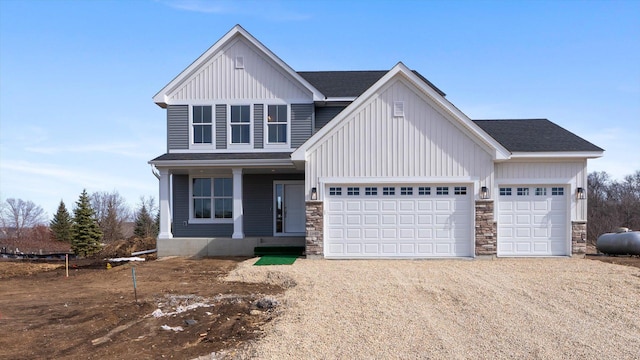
(388, 191)
(406, 190)
(460, 190)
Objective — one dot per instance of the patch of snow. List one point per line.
(135, 258)
(172, 328)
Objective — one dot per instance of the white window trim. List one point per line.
(199, 146)
(265, 129)
(243, 146)
(213, 220)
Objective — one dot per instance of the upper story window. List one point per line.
(202, 121)
(240, 123)
(277, 120)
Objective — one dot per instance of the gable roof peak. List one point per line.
(161, 98)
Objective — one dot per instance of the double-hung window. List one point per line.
(277, 124)
(202, 124)
(212, 198)
(240, 124)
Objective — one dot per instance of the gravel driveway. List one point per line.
(451, 309)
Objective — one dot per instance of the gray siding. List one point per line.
(325, 114)
(181, 205)
(300, 123)
(258, 199)
(258, 125)
(177, 127)
(258, 209)
(221, 126)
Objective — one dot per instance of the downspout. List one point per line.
(155, 172)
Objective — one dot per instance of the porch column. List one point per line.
(238, 232)
(165, 208)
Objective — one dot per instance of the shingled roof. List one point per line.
(349, 83)
(223, 156)
(534, 135)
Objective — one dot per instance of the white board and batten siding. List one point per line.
(372, 143)
(570, 174)
(535, 205)
(258, 79)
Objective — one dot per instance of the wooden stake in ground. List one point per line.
(66, 263)
(133, 274)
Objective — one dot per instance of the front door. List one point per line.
(289, 208)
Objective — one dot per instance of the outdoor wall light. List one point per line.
(314, 194)
(484, 192)
(580, 193)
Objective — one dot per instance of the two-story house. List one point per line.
(356, 164)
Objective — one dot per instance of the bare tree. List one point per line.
(612, 204)
(111, 212)
(20, 216)
(629, 191)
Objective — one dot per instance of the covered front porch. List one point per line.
(210, 208)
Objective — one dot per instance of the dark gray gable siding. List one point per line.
(181, 205)
(325, 114)
(258, 194)
(177, 127)
(221, 126)
(301, 124)
(258, 125)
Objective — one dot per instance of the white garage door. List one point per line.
(413, 221)
(532, 221)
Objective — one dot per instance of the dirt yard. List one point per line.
(507, 308)
(93, 314)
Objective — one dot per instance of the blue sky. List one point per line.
(77, 77)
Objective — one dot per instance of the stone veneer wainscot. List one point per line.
(314, 234)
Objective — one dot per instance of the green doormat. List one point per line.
(276, 260)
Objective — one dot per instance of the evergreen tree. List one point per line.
(86, 232)
(111, 225)
(61, 224)
(144, 223)
(156, 224)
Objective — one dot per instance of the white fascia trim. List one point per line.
(500, 152)
(225, 163)
(398, 180)
(557, 154)
(533, 181)
(162, 99)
